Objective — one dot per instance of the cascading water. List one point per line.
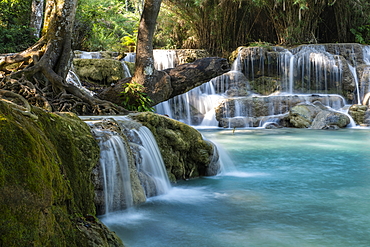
(354, 73)
(122, 139)
(115, 171)
(164, 59)
(152, 163)
(282, 76)
(73, 79)
(366, 54)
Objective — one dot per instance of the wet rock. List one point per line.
(358, 112)
(45, 181)
(302, 116)
(330, 119)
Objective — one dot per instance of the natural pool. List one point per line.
(286, 187)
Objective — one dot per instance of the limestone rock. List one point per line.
(358, 113)
(265, 85)
(330, 120)
(302, 116)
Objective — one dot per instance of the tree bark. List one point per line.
(37, 16)
(145, 72)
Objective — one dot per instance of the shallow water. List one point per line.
(286, 187)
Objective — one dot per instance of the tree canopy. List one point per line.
(216, 25)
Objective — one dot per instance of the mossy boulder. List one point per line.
(46, 194)
(185, 153)
(358, 113)
(100, 71)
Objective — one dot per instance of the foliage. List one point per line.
(15, 35)
(134, 97)
(362, 34)
(15, 38)
(105, 25)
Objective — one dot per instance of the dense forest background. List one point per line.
(219, 26)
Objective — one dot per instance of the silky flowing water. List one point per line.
(285, 187)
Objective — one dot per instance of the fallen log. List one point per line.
(168, 83)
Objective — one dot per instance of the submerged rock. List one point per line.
(46, 193)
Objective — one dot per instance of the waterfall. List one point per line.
(366, 54)
(73, 79)
(164, 59)
(152, 163)
(354, 73)
(266, 82)
(126, 70)
(115, 171)
(129, 156)
(130, 57)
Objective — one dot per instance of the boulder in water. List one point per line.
(302, 116)
(358, 113)
(330, 120)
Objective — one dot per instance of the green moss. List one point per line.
(185, 153)
(45, 169)
(102, 71)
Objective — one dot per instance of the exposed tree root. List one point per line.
(39, 92)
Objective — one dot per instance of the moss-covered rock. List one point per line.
(101, 71)
(358, 113)
(46, 194)
(185, 153)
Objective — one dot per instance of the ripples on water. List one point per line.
(285, 187)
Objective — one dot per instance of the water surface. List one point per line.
(285, 187)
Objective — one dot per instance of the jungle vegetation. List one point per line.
(216, 25)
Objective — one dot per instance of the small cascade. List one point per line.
(130, 162)
(354, 73)
(164, 59)
(126, 70)
(366, 54)
(73, 79)
(152, 163)
(88, 55)
(196, 107)
(115, 171)
(130, 57)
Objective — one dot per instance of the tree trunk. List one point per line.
(39, 73)
(37, 16)
(145, 72)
